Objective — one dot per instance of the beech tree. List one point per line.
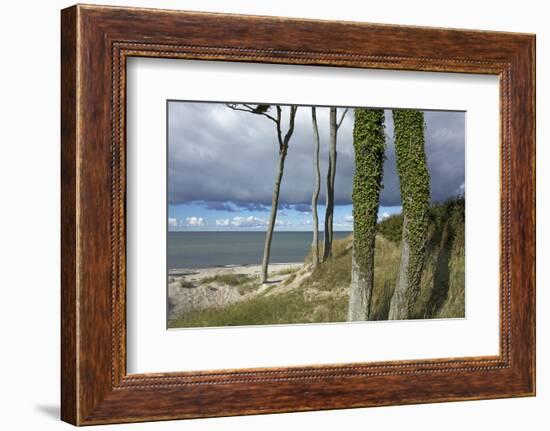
(369, 146)
(316, 188)
(331, 177)
(283, 140)
(414, 180)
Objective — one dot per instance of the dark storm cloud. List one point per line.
(252, 206)
(228, 159)
(445, 154)
(234, 207)
(303, 208)
(222, 206)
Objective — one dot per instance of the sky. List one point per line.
(222, 165)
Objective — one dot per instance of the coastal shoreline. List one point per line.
(250, 269)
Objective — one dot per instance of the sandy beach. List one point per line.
(201, 288)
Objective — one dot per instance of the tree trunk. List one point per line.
(273, 215)
(283, 148)
(362, 282)
(316, 189)
(399, 305)
(369, 146)
(414, 182)
(331, 176)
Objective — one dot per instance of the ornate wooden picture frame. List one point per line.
(96, 41)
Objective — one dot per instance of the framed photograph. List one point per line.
(266, 215)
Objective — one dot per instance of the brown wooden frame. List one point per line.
(95, 43)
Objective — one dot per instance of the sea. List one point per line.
(208, 249)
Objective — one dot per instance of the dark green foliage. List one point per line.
(369, 145)
(391, 227)
(451, 211)
(447, 215)
(415, 187)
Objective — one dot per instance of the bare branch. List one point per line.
(342, 118)
(262, 110)
(290, 130)
(250, 109)
(279, 132)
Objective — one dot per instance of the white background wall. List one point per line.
(29, 214)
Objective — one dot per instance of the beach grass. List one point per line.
(291, 307)
(228, 279)
(286, 271)
(243, 282)
(187, 284)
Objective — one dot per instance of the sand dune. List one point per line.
(195, 289)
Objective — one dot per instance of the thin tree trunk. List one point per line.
(283, 148)
(399, 305)
(331, 176)
(273, 215)
(316, 189)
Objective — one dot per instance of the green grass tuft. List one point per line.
(228, 279)
(187, 284)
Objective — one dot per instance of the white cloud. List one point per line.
(383, 216)
(249, 221)
(172, 222)
(344, 222)
(222, 222)
(195, 221)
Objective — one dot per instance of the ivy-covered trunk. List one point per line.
(414, 180)
(369, 145)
